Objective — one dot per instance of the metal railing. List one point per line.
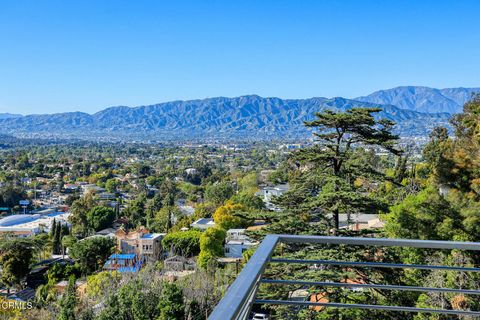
(241, 295)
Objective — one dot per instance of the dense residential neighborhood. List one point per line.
(101, 214)
(90, 223)
(239, 160)
(93, 211)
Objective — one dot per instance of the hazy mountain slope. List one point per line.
(423, 99)
(243, 117)
(459, 95)
(9, 115)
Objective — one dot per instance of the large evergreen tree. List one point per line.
(57, 238)
(69, 301)
(329, 177)
(78, 216)
(171, 305)
(16, 255)
(91, 253)
(99, 218)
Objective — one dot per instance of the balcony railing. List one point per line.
(241, 295)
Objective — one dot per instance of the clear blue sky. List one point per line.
(86, 55)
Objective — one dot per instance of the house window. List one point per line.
(227, 250)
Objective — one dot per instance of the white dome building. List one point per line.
(18, 219)
(26, 225)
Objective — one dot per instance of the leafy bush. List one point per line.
(185, 243)
(99, 218)
(211, 246)
(92, 253)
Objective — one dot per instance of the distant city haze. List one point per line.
(63, 56)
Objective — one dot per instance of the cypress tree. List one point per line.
(57, 238)
(69, 301)
(53, 228)
(64, 231)
(53, 235)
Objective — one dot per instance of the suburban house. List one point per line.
(151, 245)
(91, 187)
(203, 223)
(191, 171)
(108, 232)
(71, 188)
(268, 193)
(25, 295)
(179, 263)
(361, 221)
(80, 286)
(184, 208)
(38, 274)
(141, 242)
(237, 242)
(107, 196)
(124, 262)
(236, 233)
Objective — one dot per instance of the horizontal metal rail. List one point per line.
(240, 296)
(377, 265)
(369, 286)
(236, 304)
(382, 242)
(368, 306)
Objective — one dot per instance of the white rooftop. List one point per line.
(31, 222)
(153, 236)
(203, 223)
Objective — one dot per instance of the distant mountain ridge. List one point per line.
(423, 99)
(9, 115)
(245, 117)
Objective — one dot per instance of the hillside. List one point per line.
(423, 99)
(250, 117)
(9, 115)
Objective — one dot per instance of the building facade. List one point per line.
(237, 242)
(141, 242)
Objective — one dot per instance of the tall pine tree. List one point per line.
(327, 179)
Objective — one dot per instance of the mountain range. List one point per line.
(9, 115)
(423, 99)
(416, 110)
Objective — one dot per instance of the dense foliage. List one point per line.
(184, 243)
(91, 253)
(354, 166)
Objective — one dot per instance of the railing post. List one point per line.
(237, 302)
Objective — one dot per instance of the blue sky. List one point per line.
(85, 55)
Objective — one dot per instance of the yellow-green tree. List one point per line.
(211, 246)
(98, 284)
(227, 216)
